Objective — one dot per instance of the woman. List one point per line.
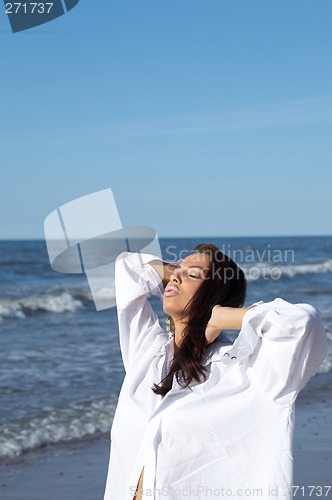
(197, 416)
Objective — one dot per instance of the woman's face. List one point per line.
(184, 282)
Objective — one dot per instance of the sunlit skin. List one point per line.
(182, 286)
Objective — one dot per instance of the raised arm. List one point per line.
(289, 342)
(139, 325)
(224, 318)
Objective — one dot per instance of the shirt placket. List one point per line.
(147, 457)
(150, 459)
(148, 450)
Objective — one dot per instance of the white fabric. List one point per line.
(230, 436)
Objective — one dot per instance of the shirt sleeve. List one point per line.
(287, 342)
(139, 325)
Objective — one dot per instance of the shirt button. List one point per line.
(226, 354)
(233, 357)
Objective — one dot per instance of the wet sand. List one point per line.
(77, 471)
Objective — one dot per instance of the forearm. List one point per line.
(224, 318)
(231, 317)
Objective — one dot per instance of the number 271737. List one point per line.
(29, 7)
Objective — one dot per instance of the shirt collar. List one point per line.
(215, 351)
(222, 349)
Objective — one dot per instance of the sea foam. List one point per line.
(55, 426)
(20, 308)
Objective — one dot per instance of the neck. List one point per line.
(179, 333)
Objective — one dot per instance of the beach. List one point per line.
(61, 368)
(77, 470)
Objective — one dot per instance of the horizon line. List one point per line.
(206, 237)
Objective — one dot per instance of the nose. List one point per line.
(175, 277)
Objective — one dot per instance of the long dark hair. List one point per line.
(225, 284)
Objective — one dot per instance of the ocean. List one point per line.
(60, 362)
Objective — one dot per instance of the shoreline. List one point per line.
(78, 470)
(67, 471)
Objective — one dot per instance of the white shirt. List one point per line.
(230, 435)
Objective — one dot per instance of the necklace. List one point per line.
(170, 327)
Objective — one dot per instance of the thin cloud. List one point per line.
(298, 112)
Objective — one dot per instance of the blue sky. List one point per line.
(205, 117)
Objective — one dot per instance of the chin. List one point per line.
(172, 311)
(168, 309)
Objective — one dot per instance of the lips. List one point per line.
(170, 291)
